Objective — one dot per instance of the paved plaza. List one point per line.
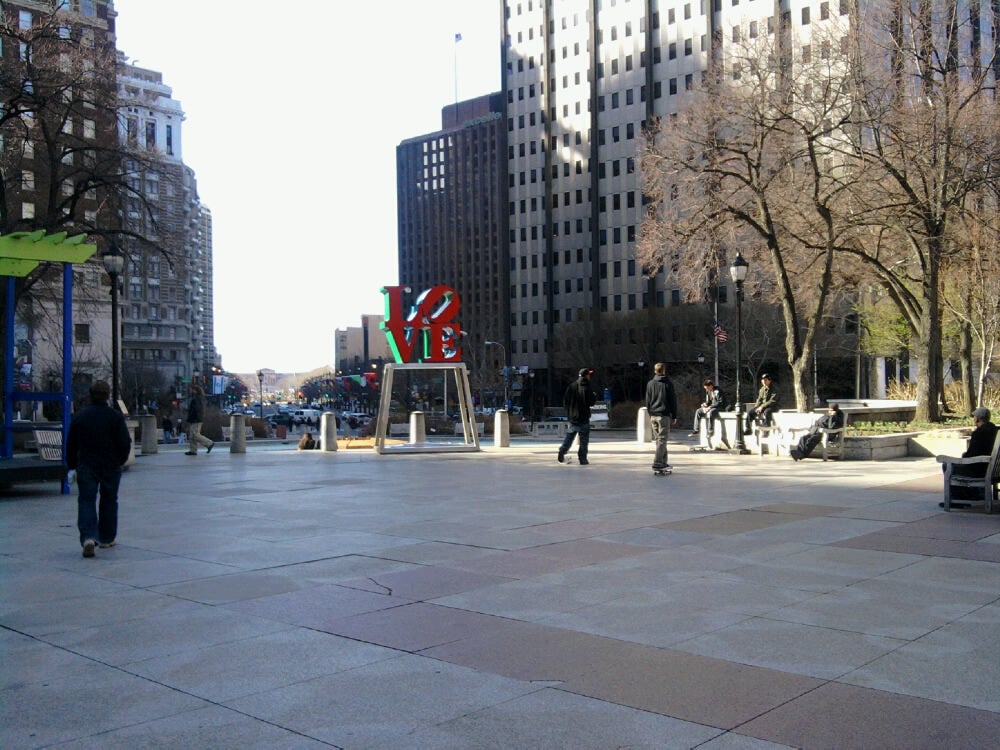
(288, 599)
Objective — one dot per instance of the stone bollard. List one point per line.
(133, 426)
(418, 428)
(328, 432)
(237, 434)
(501, 429)
(643, 426)
(148, 423)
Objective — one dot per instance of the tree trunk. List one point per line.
(929, 340)
(968, 375)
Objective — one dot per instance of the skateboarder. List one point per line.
(661, 402)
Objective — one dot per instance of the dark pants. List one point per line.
(755, 412)
(808, 442)
(571, 432)
(99, 523)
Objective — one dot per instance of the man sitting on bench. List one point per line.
(766, 403)
(980, 444)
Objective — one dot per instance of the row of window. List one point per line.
(602, 202)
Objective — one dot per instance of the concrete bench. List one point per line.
(789, 426)
(399, 429)
(227, 433)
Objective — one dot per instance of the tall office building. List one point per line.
(582, 78)
(167, 288)
(451, 188)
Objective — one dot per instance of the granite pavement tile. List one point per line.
(209, 727)
(935, 665)
(383, 703)
(83, 704)
(837, 716)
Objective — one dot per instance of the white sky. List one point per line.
(293, 113)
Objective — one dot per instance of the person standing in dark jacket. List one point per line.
(661, 403)
(97, 446)
(195, 418)
(577, 401)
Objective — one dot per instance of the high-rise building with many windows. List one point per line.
(451, 187)
(167, 323)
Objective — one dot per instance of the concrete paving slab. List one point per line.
(836, 716)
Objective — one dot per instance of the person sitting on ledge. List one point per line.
(307, 442)
(767, 402)
(833, 419)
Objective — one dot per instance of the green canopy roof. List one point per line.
(21, 252)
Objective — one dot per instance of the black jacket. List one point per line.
(577, 401)
(661, 401)
(196, 409)
(98, 438)
(981, 442)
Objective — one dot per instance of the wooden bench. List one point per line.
(988, 483)
(49, 444)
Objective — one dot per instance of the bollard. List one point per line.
(328, 432)
(133, 426)
(418, 428)
(237, 435)
(643, 426)
(501, 429)
(148, 427)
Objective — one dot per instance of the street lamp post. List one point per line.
(114, 263)
(260, 382)
(738, 272)
(505, 368)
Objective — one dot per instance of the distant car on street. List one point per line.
(280, 418)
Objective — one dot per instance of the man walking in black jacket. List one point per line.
(661, 402)
(577, 401)
(97, 446)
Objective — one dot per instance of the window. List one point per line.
(150, 134)
(805, 16)
(24, 19)
(27, 180)
(81, 333)
(89, 129)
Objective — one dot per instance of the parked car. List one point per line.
(280, 418)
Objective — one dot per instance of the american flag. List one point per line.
(720, 333)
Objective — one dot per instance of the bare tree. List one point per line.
(63, 160)
(752, 162)
(926, 141)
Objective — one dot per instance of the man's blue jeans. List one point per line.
(571, 432)
(97, 523)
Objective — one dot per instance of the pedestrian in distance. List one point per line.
(577, 401)
(97, 446)
(766, 403)
(833, 419)
(195, 419)
(661, 403)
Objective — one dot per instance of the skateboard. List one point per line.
(666, 471)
